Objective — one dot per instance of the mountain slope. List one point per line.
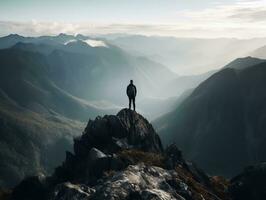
(220, 125)
(108, 70)
(88, 67)
(242, 63)
(25, 79)
(259, 53)
(36, 113)
(31, 143)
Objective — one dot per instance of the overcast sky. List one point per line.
(186, 18)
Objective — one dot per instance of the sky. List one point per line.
(179, 18)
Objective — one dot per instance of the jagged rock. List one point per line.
(71, 191)
(250, 184)
(112, 133)
(135, 182)
(102, 138)
(140, 132)
(138, 182)
(174, 156)
(101, 165)
(96, 154)
(198, 174)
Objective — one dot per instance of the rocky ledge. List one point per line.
(121, 157)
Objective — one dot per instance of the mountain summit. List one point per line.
(121, 157)
(111, 133)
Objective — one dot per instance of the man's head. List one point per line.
(131, 81)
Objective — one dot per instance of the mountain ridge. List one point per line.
(221, 117)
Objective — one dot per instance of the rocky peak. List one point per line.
(121, 157)
(140, 132)
(112, 133)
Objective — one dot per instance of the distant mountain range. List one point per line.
(221, 125)
(94, 66)
(188, 55)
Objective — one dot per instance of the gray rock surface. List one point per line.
(96, 154)
(71, 191)
(135, 182)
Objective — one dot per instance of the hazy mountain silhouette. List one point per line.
(13, 39)
(243, 63)
(31, 142)
(259, 53)
(188, 55)
(96, 66)
(221, 124)
(25, 78)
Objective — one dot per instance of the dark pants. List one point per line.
(132, 99)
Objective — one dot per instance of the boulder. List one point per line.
(174, 156)
(96, 154)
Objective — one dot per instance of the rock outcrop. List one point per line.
(95, 151)
(121, 157)
(250, 184)
(124, 131)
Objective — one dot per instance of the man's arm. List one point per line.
(135, 90)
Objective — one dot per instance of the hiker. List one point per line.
(131, 93)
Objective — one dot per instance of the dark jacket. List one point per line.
(131, 91)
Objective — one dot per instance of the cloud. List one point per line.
(243, 19)
(250, 14)
(241, 11)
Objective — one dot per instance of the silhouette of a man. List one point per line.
(131, 93)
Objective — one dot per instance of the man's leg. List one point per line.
(129, 103)
(134, 103)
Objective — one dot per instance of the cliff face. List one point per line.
(121, 157)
